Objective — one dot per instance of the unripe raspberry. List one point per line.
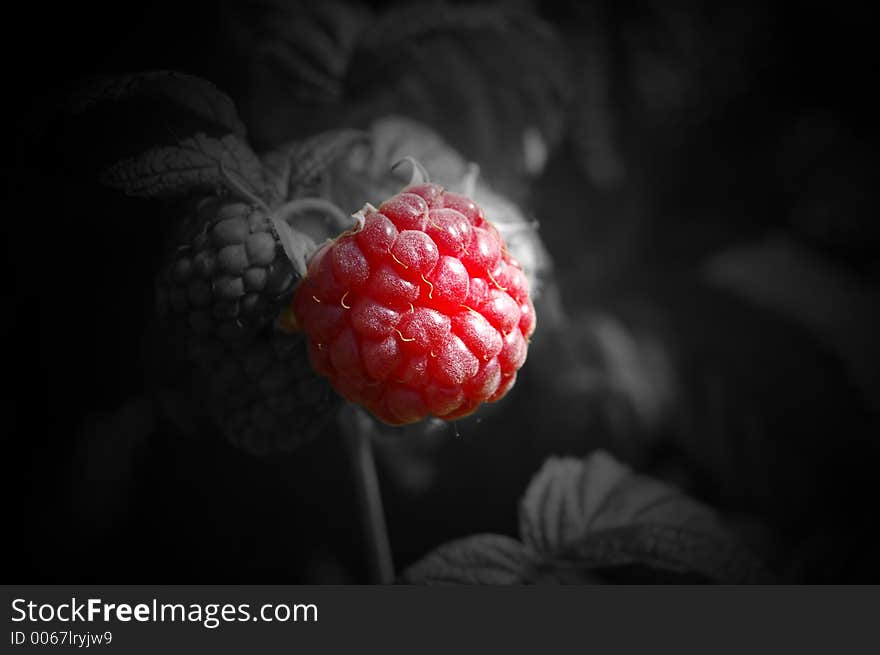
(220, 292)
(262, 392)
(227, 274)
(420, 311)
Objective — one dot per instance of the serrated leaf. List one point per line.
(295, 168)
(296, 55)
(192, 93)
(595, 521)
(663, 553)
(493, 80)
(308, 43)
(196, 162)
(478, 559)
(597, 514)
(504, 80)
(570, 499)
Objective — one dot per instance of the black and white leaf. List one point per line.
(294, 57)
(598, 515)
(664, 553)
(305, 44)
(189, 92)
(198, 162)
(488, 559)
(493, 80)
(570, 499)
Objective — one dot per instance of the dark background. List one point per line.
(730, 126)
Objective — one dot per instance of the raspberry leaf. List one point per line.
(595, 521)
(661, 553)
(307, 44)
(196, 162)
(478, 559)
(598, 515)
(296, 168)
(296, 55)
(504, 77)
(570, 498)
(189, 92)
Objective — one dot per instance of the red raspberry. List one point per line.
(419, 311)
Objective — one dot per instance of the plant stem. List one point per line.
(357, 429)
(337, 218)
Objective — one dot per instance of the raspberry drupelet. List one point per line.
(418, 311)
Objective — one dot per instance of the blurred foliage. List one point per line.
(592, 521)
(498, 69)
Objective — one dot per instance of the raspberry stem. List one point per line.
(357, 429)
(338, 218)
(237, 187)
